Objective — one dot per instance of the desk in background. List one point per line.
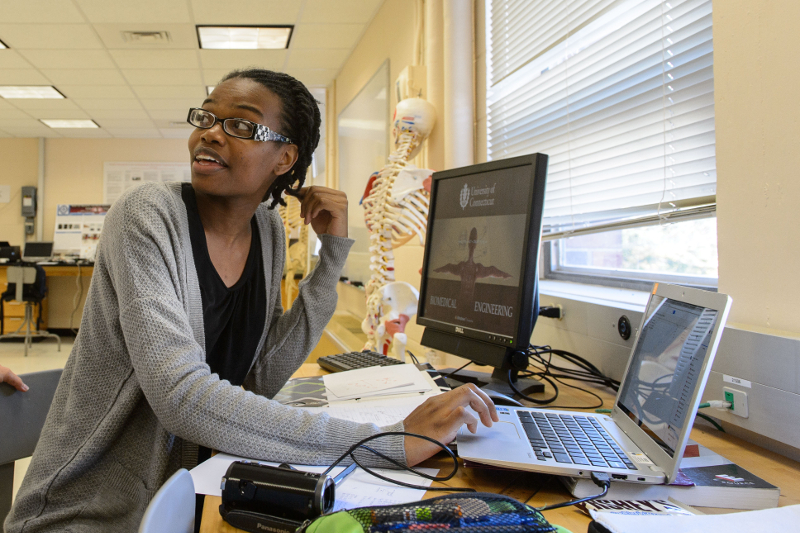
(63, 283)
(537, 490)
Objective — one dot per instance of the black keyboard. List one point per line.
(353, 360)
(572, 439)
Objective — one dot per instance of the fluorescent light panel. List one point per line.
(61, 123)
(244, 37)
(3, 45)
(32, 91)
(209, 89)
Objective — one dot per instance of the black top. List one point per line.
(233, 317)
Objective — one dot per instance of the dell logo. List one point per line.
(459, 330)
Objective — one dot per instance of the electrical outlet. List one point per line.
(738, 401)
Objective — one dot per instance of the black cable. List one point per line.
(713, 422)
(601, 479)
(362, 442)
(413, 357)
(457, 370)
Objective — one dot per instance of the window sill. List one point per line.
(627, 299)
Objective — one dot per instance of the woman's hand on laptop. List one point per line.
(7, 376)
(442, 416)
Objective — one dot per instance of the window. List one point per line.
(620, 95)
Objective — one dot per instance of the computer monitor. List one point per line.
(479, 296)
(37, 251)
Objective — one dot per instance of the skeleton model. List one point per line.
(395, 209)
(296, 253)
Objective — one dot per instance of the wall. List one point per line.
(74, 167)
(20, 159)
(758, 139)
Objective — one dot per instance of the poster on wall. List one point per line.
(118, 177)
(77, 231)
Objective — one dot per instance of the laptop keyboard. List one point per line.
(572, 439)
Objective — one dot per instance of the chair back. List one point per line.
(172, 508)
(22, 415)
(20, 275)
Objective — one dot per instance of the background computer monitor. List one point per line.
(37, 251)
(479, 296)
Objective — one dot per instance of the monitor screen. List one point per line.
(479, 277)
(665, 368)
(38, 249)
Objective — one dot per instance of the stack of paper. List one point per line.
(375, 381)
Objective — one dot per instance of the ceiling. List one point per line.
(140, 90)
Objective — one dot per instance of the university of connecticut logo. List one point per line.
(464, 198)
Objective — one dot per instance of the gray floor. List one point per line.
(41, 356)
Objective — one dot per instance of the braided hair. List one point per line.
(300, 121)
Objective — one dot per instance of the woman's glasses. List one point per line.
(235, 127)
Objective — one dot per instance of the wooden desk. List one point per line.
(537, 490)
(58, 305)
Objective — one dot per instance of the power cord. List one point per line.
(362, 442)
(600, 479)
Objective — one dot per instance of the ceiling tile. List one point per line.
(91, 104)
(44, 103)
(41, 11)
(248, 12)
(235, 59)
(120, 124)
(181, 36)
(135, 133)
(212, 76)
(26, 128)
(155, 59)
(302, 59)
(175, 114)
(175, 104)
(351, 11)
(96, 91)
(175, 91)
(58, 113)
(22, 77)
(161, 77)
(72, 59)
(50, 36)
(12, 59)
(326, 36)
(82, 132)
(84, 76)
(135, 11)
(175, 133)
(100, 114)
(13, 113)
(319, 77)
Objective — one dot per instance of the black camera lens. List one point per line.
(624, 327)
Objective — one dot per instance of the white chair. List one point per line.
(172, 508)
(22, 276)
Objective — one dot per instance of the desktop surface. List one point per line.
(538, 490)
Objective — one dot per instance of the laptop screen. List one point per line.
(666, 368)
(38, 249)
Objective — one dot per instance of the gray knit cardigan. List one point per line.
(136, 389)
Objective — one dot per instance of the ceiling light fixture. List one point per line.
(32, 91)
(60, 123)
(244, 37)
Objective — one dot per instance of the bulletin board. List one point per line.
(118, 177)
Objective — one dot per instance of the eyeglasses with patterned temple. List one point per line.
(235, 127)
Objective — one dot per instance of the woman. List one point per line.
(184, 306)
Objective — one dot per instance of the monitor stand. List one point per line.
(496, 381)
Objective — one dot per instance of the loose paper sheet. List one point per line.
(359, 489)
(375, 381)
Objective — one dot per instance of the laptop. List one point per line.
(644, 437)
(37, 252)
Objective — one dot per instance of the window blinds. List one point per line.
(619, 94)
